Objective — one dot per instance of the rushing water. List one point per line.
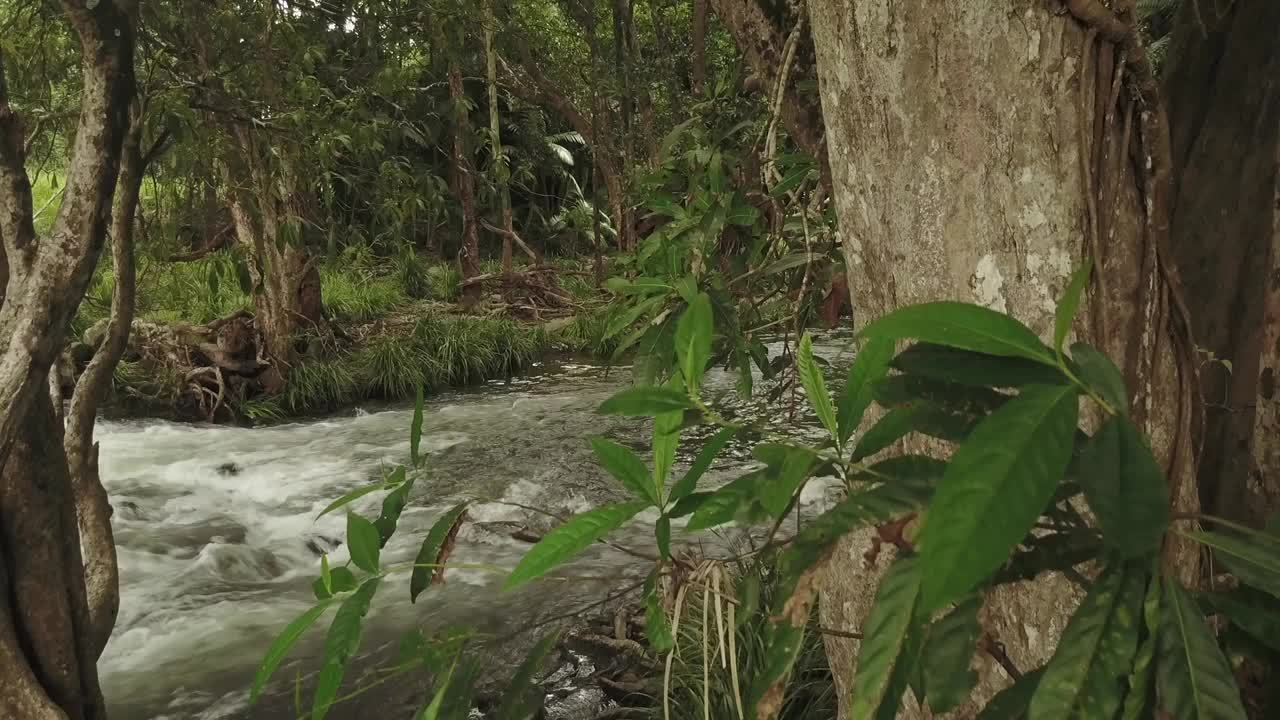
(219, 540)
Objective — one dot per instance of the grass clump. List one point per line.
(320, 385)
(444, 282)
(357, 296)
(393, 368)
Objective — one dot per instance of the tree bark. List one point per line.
(698, 80)
(761, 38)
(464, 186)
(1222, 81)
(979, 153)
(495, 138)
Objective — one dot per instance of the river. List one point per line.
(219, 541)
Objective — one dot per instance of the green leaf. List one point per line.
(415, 430)
(1066, 312)
(884, 636)
(1136, 702)
(353, 496)
(722, 506)
(656, 627)
(325, 578)
(996, 485)
(693, 341)
(1085, 676)
(782, 642)
(342, 642)
(1125, 487)
(869, 365)
(281, 646)
(889, 429)
(340, 580)
(569, 539)
(392, 505)
(1011, 703)
(689, 482)
(662, 533)
(437, 546)
(432, 710)
(1102, 376)
(628, 469)
(1255, 559)
(364, 542)
(974, 369)
(666, 437)
(951, 644)
(523, 699)
(963, 326)
(1193, 678)
(786, 470)
(814, 386)
(1253, 612)
(646, 401)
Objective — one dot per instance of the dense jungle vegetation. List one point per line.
(1044, 235)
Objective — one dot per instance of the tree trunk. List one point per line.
(266, 211)
(1223, 85)
(464, 186)
(48, 643)
(698, 80)
(991, 186)
(495, 138)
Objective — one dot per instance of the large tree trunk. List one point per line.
(979, 153)
(698, 79)
(48, 642)
(1223, 85)
(266, 211)
(495, 138)
(464, 185)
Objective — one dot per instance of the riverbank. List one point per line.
(390, 328)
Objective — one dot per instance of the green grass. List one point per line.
(43, 191)
(357, 296)
(444, 282)
(436, 353)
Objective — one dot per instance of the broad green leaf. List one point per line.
(689, 481)
(869, 365)
(688, 505)
(889, 429)
(353, 496)
(786, 470)
(1098, 372)
(722, 506)
(884, 635)
(656, 627)
(1254, 559)
(628, 469)
(522, 699)
(326, 579)
(569, 539)
(646, 401)
(1085, 676)
(1193, 678)
(950, 646)
(437, 546)
(666, 437)
(951, 398)
(1137, 701)
(662, 533)
(1125, 487)
(1253, 612)
(1067, 306)
(342, 642)
(340, 580)
(791, 181)
(693, 341)
(963, 326)
(364, 542)
(782, 644)
(974, 369)
(628, 317)
(415, 430)
(639, 286)
(281, 646)
(392, 505)
(814, 386)
(996, 485)
(1011, 703)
